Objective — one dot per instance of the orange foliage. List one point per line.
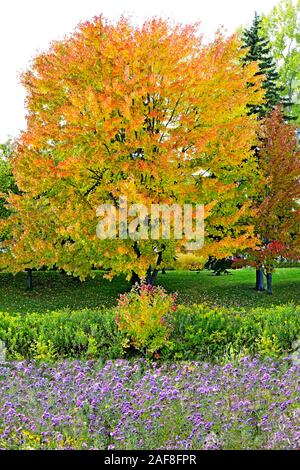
(277, 218)
(116, 110)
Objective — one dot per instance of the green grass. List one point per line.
(53, 291)
(235, 289)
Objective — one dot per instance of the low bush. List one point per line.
(189, 262)
(144, 316)
(195, 333)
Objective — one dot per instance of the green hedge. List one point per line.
(199, 333)
(74, 334)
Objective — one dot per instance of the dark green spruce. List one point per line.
(259, 50)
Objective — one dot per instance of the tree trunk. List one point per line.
(135, 278)
(151, 276)
(261, 281)
(269, 283)
(257, 279)
(29, 279)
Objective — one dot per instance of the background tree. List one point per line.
(259, 51)
(282, 28)
(278, 199)
(149, 113)
(7, 181)
(218, 266)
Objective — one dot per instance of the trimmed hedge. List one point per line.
(198, 333)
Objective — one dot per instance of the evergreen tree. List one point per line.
(259, 50)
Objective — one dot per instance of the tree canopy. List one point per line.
(147, 112)
(278, 195)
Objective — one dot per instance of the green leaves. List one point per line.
(7, 181)
(282, 27)
(259, 50)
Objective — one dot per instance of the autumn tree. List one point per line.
(277, 219)
(147, 112)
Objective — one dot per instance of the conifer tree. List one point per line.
(259, 50)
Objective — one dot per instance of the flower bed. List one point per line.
(123, 405)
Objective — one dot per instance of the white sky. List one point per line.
(30, 25)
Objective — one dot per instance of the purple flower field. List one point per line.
(133, 405)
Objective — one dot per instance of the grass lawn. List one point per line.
(53, 291)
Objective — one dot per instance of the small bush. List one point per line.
(143, 315)
(190, 262)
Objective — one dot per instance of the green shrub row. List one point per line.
(198, 333)
(75, 334)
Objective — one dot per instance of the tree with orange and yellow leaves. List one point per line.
(277, 220)
(147, 112)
